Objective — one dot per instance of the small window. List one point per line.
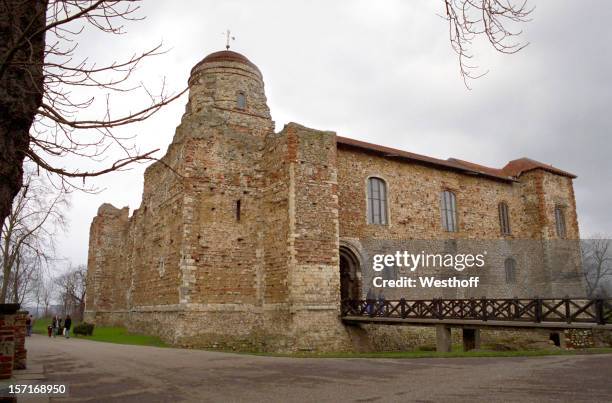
(238, 212)
(241, 101)
(504, 218)
(448, 208)
(510, 267)
(377, 201)
(161, 267)
(560, 221)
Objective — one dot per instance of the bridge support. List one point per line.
(471, 339)
(443, 338)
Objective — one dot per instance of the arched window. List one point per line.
(504, 218)
(448, 208)
(560, 221)
(377, 201)
(241, 101)
(510, 268)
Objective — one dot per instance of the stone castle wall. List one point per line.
(236, 242)
(550, 269)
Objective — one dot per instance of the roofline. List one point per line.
(422, 159)
(534, 165)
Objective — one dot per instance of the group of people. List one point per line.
(60, 327)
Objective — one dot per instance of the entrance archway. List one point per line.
(350, 274)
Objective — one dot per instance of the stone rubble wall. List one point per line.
(546, 269)
(236, 242)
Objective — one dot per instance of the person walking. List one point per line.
(381, 303)
(370, 299)
(29, 325)
(55, 326)
(67, 324)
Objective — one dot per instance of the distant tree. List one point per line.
(597, 264)
(23, 276)
(27, 236)
(46, 292)
(72, 287)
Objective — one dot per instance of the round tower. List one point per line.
(229, 85)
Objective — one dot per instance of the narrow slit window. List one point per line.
(504, 218)
(560, 222)
(377, 201)
(448, 209)
(241, 101)
(238, 203)
(510, 268)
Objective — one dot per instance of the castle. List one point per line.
(252, 237)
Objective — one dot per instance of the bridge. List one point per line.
(475, 313)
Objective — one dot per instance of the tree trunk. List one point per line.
(21, 88)
(6, 272)
(16, 269)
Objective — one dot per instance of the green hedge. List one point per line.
(84, 328)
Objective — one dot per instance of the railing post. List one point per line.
(403, 308)
(568, 314)
(483, 301)
(472, 308)
(515, 304)
(538, 309)
(599, 311)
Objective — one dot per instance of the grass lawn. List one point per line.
(117, 335)
(120, 335)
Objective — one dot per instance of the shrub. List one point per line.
(84, 328)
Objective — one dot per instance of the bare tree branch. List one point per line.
(494, 19)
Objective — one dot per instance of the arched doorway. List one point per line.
(350, 275)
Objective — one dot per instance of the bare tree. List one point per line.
(40, 79)
(496, 20)
(27, 237)
(597, 264)
(23, 275)
(72, 287)
(46, 291)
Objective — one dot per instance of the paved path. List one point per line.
(111, 372)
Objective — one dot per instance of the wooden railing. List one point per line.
(565, 310)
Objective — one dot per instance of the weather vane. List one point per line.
(228, 38)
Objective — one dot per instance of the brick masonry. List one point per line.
(13, 353)
(236, 243)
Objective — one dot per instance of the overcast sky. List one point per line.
(384, 72)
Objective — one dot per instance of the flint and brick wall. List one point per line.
(413, 198)
(236, 242)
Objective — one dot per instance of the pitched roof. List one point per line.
(522, 165)
(508, 173)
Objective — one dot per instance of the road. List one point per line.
(107, 372)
